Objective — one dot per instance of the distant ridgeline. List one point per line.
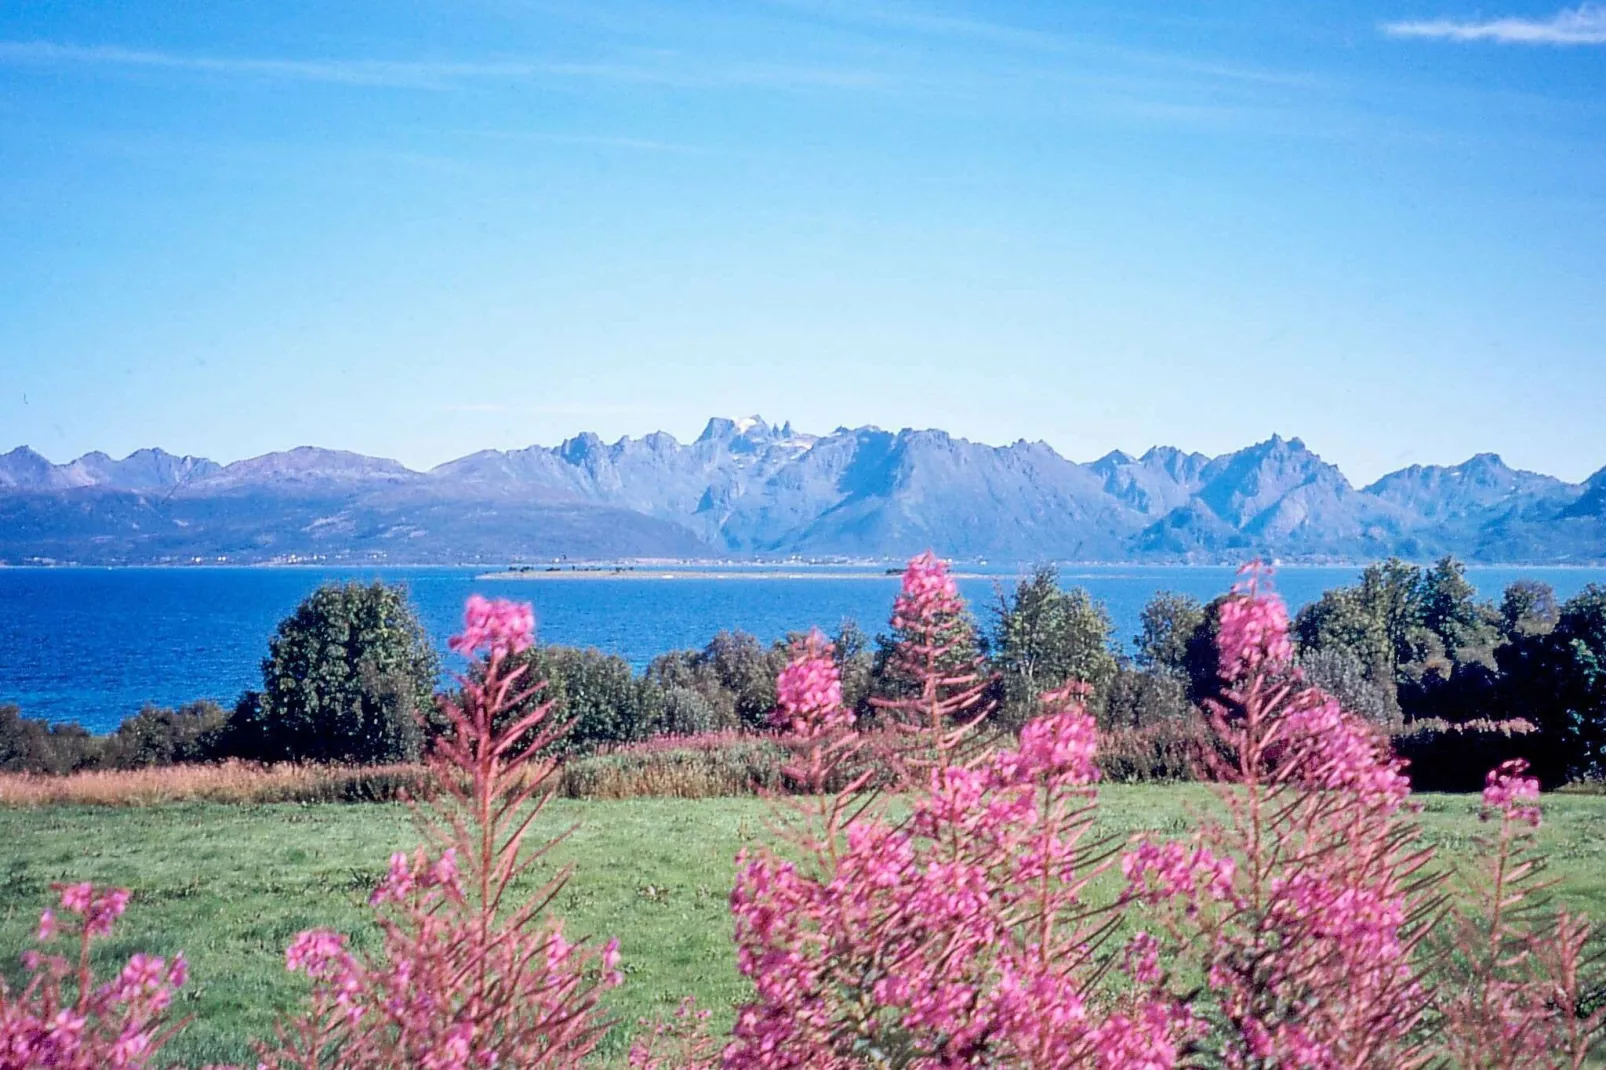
(746, 488)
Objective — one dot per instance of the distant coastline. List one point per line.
(804, 573)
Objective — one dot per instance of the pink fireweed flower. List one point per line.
(47, 927)
(1058, 747)
(1157, 872)
(808, 692)
(315, 952)
(398, 881)
(1141, 959)
(1507, 791)
(500, 626)
(928, 592)
(76, 897)
(106, 909)
(1254, 626)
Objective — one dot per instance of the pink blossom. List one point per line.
(500, 626)
(928, 592)
(808, 692)
(1254, 626)
(47, 927)
(106, 909)
(1509, 792)
(77, 897)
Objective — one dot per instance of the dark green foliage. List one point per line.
(1044, 637)
(1166, 625)
(1201, 662)
(1557, 680)
(735, 673)
(34, 746)
(194, 732)
(1138, 699)
(1468, 629)
(1421, 636)
(1528, 607)
(1441, 756)
(349, 677)
(855, 661)
(599, 696)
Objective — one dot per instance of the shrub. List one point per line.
(159, 736)
(1043, 638)
(1163, 752)
(348, 678)
(1341, 674)
(1133, 699)
(35, 746)
(1441, 756)
(688, 713)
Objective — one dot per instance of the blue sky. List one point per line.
(420, 229)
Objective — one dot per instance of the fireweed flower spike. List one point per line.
(960, 936)
(63, 1018)
(467, 976)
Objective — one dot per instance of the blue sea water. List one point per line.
(94, 645)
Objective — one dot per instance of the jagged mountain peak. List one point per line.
(747, 486)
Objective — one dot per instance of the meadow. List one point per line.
(231, 885)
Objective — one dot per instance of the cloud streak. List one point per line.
(1583, 25)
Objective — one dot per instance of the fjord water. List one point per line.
(93, 645)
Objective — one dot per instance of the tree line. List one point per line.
(349, 677)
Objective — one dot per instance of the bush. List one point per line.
(349, 677)
(1164, 752)
(34, 746)
(1341, 674)
(688, 713)
(1134, 699)
(158, 736)
(1441, 756)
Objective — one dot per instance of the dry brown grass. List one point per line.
(228, 782)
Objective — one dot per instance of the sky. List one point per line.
(420, 229)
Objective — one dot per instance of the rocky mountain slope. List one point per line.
(745, 488)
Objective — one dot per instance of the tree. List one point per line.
(1045, 637)
(1528, 607)
(735, 673)
(1166, 624)
(349, 677)
(1450, 609)
(1557, 680)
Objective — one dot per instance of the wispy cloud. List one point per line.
(675, 70)
(1583, 25)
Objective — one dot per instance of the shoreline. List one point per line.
(713, 574)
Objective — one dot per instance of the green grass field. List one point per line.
(231, 885)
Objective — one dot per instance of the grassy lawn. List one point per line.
(231, 885)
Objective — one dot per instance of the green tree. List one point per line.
(1557, 680)
(1528, 607)
(1044, 637)
(1166, 624)
(1468, 629)
(349, 677)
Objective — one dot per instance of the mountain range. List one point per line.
(744, 488)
